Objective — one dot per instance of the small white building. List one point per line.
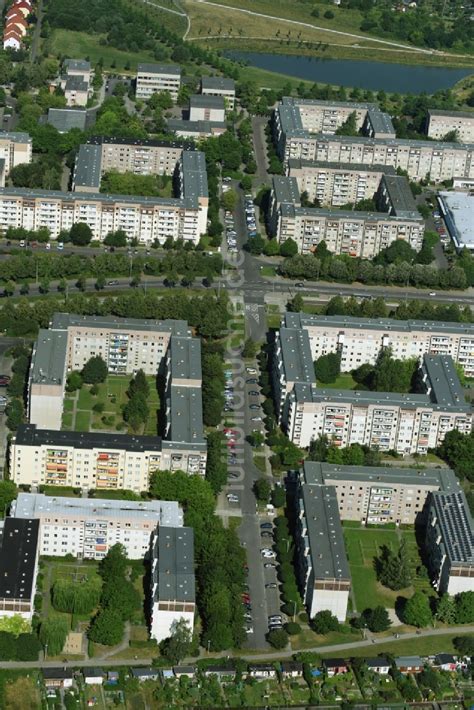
(93, 676)
(206, 108)
(378, 665)
(172, 580)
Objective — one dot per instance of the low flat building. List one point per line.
(457, 209)
(206, 108)
(360, 340)
(195, 129)
(441, 123)
(65, 119)
(19, 551)
(88, 527)
(155, 78)
(173, 583)
(450, 543)
(219, 86)
(322, 566)
(409, 664)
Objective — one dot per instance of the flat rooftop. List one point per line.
(175, 569)
(29, 435)
(194, 175)
(380, 121)
(206, 101)
(185, 358)
(167, 69)
(217, 83)
(75, 82)
(385, 325)
(454, 522)
(63, 119)
(296, 356)
(37, 505)
(185, 414)
(140, 142)
(326, 539)
(452, 114)
(15, 136)
(401, 197)
(292, 211)
(18, 551)
(77, 65)
(317, 473)
(440, 373)
(88, 166)
(285, 189)
(197, 127)
(63, 321)
(458, 211)
(48, 364)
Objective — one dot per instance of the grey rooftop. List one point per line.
(185, 414)
(285, 189)
(29, 435)
(15, 136)
(217, 83)
(296, 358)
(185, 358)
(88, 166)
(298, 163)
(380, 121)
(75, 82)
(206, 101)
(77, 65)
(48, 364)
(401, 197)
(452, 114)
(443, 380)
(25, 192)
(194, 175)
(63, 119)
(63, 321)
(168, 69)
(174, 548)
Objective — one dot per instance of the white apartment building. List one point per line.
(358, 234)
(442, 122)
(15, 148)
(153, 78)
(19, 552)
(98, 460)
(322, 567)
(173, 593)
(219, 86)
(142, 157)
(360, 340)
(450, 543)
(207, 107)
(88, 527)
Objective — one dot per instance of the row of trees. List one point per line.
(208, 313)
(21, 647)
(15, 409)
(219, 558)
(388, 374)
(414, 309)
(354, 455)
(213, 382)
(136, 410)
(216, 463)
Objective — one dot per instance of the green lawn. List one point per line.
(419, 646)
(67, 421)
(268, 271)
(83, 421)
(68, 405)
(78, 45)
(343, 382)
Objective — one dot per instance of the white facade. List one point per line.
(219, 86)
(207, 108)
(15, 148)
(88, 528)
(442, 122)
(153, 78)
(335, 602)
(333, 185)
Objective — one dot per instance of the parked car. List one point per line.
(254, 393)
(254, 406)
(271, 585)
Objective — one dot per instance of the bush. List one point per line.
(329, 15)
(292, 628)
(324, 622)
(278, 497)
(277, 638)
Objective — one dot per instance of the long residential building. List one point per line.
(89, 527)
(358, 234)
(360, 340)
(450, 543)
(173, 586)
(19, 552)
(407, 423)
(15, 148)
(328, 494)
(440, 123)
(297, 138)
(155, 78)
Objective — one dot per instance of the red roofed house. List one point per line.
(16, 24)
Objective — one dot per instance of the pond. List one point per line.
(397, 78)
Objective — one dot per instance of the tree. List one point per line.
(74, 381)
(229, 200)
(114, 564)
(464, 602)
(177, 646)
(15, 414)
(246, 183)
(8, 493)
(262, 489)
(107, 627)
(278, 638)
(392, 567)
(80, 234)
(94, 371)
(278, 497)
(327, 367)
(296, 304)
(288, 248)
(250, 348)
(349, 127)
(122, 597)
(377, 619)
(446, 609)
(324, 622)
(52, 634)
(417, 611)
(216, 465)
(464, 645)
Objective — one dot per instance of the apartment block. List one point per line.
(78, 67)
(98, 460)
(195, 129)
(19, 552)
(322, 567)
(15, 148)
(358, 234)
(219, 86)
(207, 107)
(88, 527)
(450, 543)
(334, 184)
(442, 122)
(173, 587)
(295, 137)
(360, 340)
(153, 78)
(142, 157)
(75, 81)
(376, 495)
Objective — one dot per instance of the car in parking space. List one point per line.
(269, 565)
(254, 393)
(254, 406)
(299, 284)
(249, 630)
(251, 370)
(232, 498)
(266, 552)
(255, 419)
(275, 617)
(271, 585)
(266, 526)
(252, 381)
(265, 533)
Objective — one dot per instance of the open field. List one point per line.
(362, 546)
(290, 28)
(419, 646)
(78, 45)
(343, 382)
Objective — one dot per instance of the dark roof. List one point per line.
(376, 662)
(56, 673)
(220, 670)
(442, 658)
(334, 662)
(29, 435)
(262, 667)
(18, 554)
(184, 669)
(148, 142)
(93, 672)
(145, 672)
(288, 666)
(175, 569)
(206, 101)
(160, 68)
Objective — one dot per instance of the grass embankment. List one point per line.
(78, 45)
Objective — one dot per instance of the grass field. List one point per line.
(78, 45)
(422, 646)
(362, 546)
(343, 382)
